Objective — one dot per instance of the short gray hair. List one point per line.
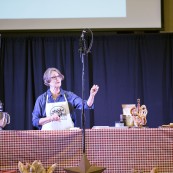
(47, 75)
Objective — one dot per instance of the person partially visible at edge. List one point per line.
(55, 109)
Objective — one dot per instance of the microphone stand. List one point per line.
(84, 165)
(83, 52)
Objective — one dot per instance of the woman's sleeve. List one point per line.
(38, 112)
(77, 101)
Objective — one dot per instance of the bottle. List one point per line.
(138, 106)
(121, 118)
(1, 106)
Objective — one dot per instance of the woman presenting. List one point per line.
(54, 109)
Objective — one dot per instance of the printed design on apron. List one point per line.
(60, 111)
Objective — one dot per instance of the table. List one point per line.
(119, 150)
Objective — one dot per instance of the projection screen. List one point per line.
(77, 14)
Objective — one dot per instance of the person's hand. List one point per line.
(94, 90)
(55, 117)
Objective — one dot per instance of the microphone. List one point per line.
(81, 41)
(83, 33)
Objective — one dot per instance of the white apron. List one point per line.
(62, 109)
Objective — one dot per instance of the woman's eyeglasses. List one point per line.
(55, 77)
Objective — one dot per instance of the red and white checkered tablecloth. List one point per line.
(119, 150)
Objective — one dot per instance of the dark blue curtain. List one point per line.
(125, 66)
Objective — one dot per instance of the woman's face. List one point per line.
(55, 80)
